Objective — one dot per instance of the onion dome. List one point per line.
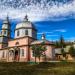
(25, 24)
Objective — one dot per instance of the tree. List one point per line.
(34, 49)
(61, 44)
(57, 44)
(63, 52)
(39, 50)
(43, 50)
(72, 51)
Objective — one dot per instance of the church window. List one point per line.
(10, 53)
(3, 54)
(18, 33)
(4, 32)
(26, 32)
(22, 52)
(17, 43)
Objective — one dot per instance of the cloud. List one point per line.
(37, 11)
(48, 33)
(45, 33)
(52, 35)
(40, 33)
(60, 30)
(70, 39)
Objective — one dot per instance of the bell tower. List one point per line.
(5, 33)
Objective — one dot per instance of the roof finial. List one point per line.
(6, 19)
(43, 36)
(26, 18)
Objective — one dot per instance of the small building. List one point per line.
(66, 56)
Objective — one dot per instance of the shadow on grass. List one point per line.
(43, 68)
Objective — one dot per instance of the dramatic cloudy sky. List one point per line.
(52, 17)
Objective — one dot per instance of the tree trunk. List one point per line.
(45, 56)
(39, 58)
(35, 59)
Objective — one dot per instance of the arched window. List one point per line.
(22, 52)
(11, 52)
(3, 54)
(26, 32)
(17, 43)
(18, 33)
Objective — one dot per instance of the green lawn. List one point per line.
(58, 68)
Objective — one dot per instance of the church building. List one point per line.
(19, 48)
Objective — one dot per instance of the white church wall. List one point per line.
(30, 32)
(22, 33)
(16, 34)
(34, 34)
(1, 39)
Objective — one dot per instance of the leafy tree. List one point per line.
(57, 44)
(39, 50)
(63, 52)
(72, 51)
(61, 43)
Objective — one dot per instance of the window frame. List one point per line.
(18, 32)
(4, 32)
(22, 52)
(3, 54)
(26, 32)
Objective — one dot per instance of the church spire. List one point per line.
(6, 27)
(6, 21)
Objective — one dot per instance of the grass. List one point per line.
(58, 68)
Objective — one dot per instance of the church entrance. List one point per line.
(17, 55)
